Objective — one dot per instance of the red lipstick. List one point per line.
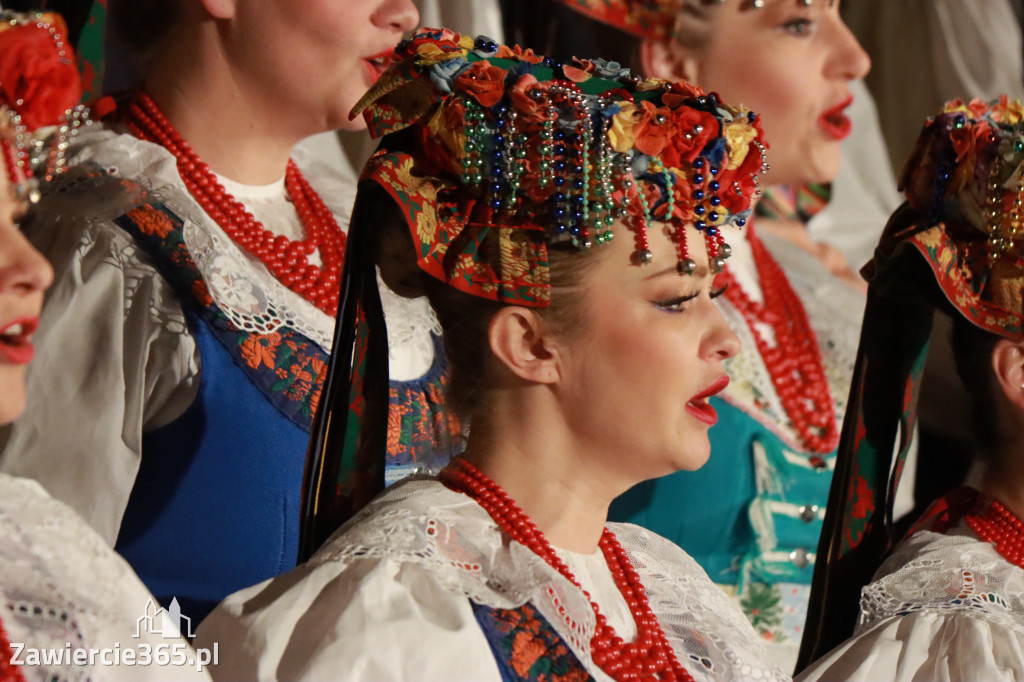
(16, 341)
(377, 64)
(698, 405)
(835, 122)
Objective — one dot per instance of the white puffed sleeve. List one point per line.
(113, 358)
(926, 646)
(376, 620)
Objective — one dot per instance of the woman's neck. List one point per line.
(210, 109)
(543, 470)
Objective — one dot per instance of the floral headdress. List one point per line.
(540, 154)
(956, 244)
(39, 87)
(651, 19)
(494, 154)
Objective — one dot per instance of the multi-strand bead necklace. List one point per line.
(286, 259)
(793, 360)
(649, 656)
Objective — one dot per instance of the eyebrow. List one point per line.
(701, 271)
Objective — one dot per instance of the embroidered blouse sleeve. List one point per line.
(926, 645)
(376, 620)
(114, 358)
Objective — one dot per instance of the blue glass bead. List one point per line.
(740, 222)
(698, 195)
(714, 201)
(498, 139)
(495, 187)
(560, 166)
(558, 212)
(712, 231)
(558, 197)
(559, 135)
(560, 149)
(560, 228)
(714, 172)
(698, 179)
(496, 203)
(713, 216)
(577, 215)
(577, 199)
(714, 185)
(699, 210)
(578, 183)
(559, 181)
(700, 224)
(698, 163)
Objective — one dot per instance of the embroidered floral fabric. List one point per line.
(526, 647)
(287, 367)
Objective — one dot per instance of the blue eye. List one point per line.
(677, 304)
(800, 26)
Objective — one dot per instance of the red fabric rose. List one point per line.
(484, 81)
(526, 107)
(35, 80)
(654, 130)
(687, 143)
(680, 92)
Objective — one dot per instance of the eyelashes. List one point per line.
(677, 304)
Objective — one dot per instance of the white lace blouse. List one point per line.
(389, 598)
(943, 607)
(62, 588)
(115, 357)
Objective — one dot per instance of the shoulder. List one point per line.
(925, 645)
(387, 598)
(946, 573)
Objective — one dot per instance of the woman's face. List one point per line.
(791, 64)
(317, 57)
(24, 275)
(638, 372)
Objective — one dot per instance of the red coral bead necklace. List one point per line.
(794, 360)
(1001, 527)
(649, 656)
(8, 671)
(286, 259)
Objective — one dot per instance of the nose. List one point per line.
(23, 270)
(721, 342)
(399, 15)
(848, 59)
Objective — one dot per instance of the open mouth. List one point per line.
(378, 63)
(16, 341)
(835, 122)
(700, 408)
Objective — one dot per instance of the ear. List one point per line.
(219, 9)
(670, 60)
(1008, 367)
(520, 341)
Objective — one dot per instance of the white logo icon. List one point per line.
(164, 622)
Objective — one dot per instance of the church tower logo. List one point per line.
(164, 622)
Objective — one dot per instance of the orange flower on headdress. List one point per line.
(484, 81)
(1005, 111)
(654, 130)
